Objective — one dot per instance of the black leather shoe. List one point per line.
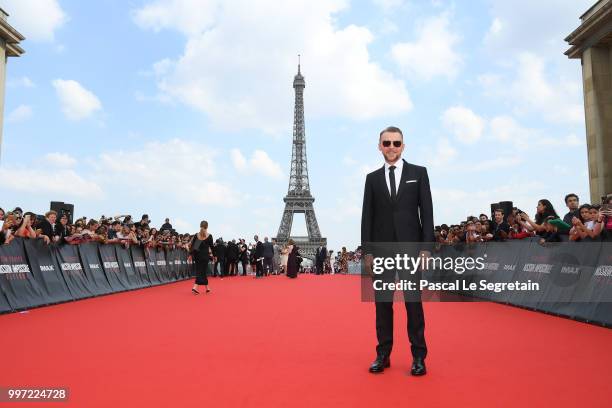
(418, 366)
(379, 365)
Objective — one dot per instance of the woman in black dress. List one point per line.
(292, 266)
(201, 250)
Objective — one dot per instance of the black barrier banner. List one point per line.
(72, 270)
(152, 271)
(170, 264)
(16, 278)
(116, 277)
(182, 258)
(598, 288)
(4, 304)
(162, 266)
(127, 267)
(190, 266)
(178, 262)
(140, 264)
(92, 265)
(46, 270)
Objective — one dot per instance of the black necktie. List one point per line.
(392, 182)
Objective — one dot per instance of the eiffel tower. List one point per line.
(299, 200)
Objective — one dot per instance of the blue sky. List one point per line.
(183, 108)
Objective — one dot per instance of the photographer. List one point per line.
(25, 229)
(606, 220)
(48, 227)
(8, 228)
(544, 210)
(517, 231)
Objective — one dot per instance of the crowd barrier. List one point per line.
(575, 278)
(35, 274)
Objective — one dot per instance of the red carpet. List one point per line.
(307, 342)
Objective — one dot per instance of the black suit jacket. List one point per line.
(321, 254)
(259, 250)
(408, 219)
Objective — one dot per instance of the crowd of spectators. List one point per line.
(56, 228)
(586, 222)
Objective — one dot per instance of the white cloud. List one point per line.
(443, 154)
(259, 162)
(77, 102)
(37, 20)
(530, 90)
(463, 123)
(224, 73)
(238, 159)
(388, 5)
(349, 161)
(61, 182)
(24, 81)
(19, 114)
(506, 129)
(184, 169)
(534, 26)
(60, 159)
(433, 53)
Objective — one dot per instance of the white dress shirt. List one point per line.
(399, 166)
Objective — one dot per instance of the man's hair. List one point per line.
(484, 215)
(571, 195)
(391, 129)
(501, 210)
(48, 213)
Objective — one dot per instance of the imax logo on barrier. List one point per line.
(574, 270)
(604, 270)
(139, 264)
(47, 268)
(20, 268)
(491, 266)
(162, 263)
(94, 266)
(540, 268)
(127, 264)
(111, 265)
(71, 266)
(509, 267)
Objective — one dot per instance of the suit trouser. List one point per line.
(220, 262)
(244, 267)
(415, 325)
(259, 268)
(267, 265)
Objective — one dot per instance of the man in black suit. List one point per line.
(219, 251)
(397, 207)
(259, 257)
(320, 258)
(268, 255)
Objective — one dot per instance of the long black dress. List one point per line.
(201, 258)
(292, 266)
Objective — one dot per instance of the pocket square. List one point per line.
(411, 181)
